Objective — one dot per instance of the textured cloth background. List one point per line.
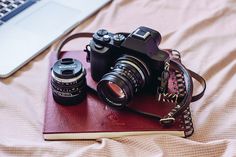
(204, 31)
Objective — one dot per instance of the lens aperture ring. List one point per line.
(69, 90)
(130, 76)
(138, 64)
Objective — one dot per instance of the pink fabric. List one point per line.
(204, 32)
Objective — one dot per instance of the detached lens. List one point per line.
(130, 74)
(68, 81)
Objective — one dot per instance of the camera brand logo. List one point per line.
(67, 66)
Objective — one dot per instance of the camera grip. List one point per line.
(101, 61)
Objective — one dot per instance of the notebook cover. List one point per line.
(93, 119)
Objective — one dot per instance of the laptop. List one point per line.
(27, 27)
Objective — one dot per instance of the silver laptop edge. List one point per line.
(16, 24)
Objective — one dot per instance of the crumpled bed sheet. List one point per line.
(205, 34)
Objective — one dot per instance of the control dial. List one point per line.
(118, 38)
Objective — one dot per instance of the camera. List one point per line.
(124, 66)
(127, 64)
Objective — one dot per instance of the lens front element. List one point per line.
(129, 76)
(114, 88)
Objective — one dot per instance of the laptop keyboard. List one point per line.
(10, 8)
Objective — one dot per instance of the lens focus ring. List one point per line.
(129, 74)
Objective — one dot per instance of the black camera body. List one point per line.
(122, 61)
(106, 47)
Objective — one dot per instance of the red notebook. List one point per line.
(93, 119)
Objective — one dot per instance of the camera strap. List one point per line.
(184, 103)
(68, 39)
(175, 64)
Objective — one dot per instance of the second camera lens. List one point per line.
(68, 81)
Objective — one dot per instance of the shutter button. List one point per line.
(118, 38)
(106, 38)
(102, 32)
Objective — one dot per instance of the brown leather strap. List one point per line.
(202, 82)
(181, 106)
(176, 56)
(72, 37)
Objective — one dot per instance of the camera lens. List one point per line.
(68, 81)
(129, 75)
(118, 92)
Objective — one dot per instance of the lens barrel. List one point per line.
(129, 76)
(68, 81)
